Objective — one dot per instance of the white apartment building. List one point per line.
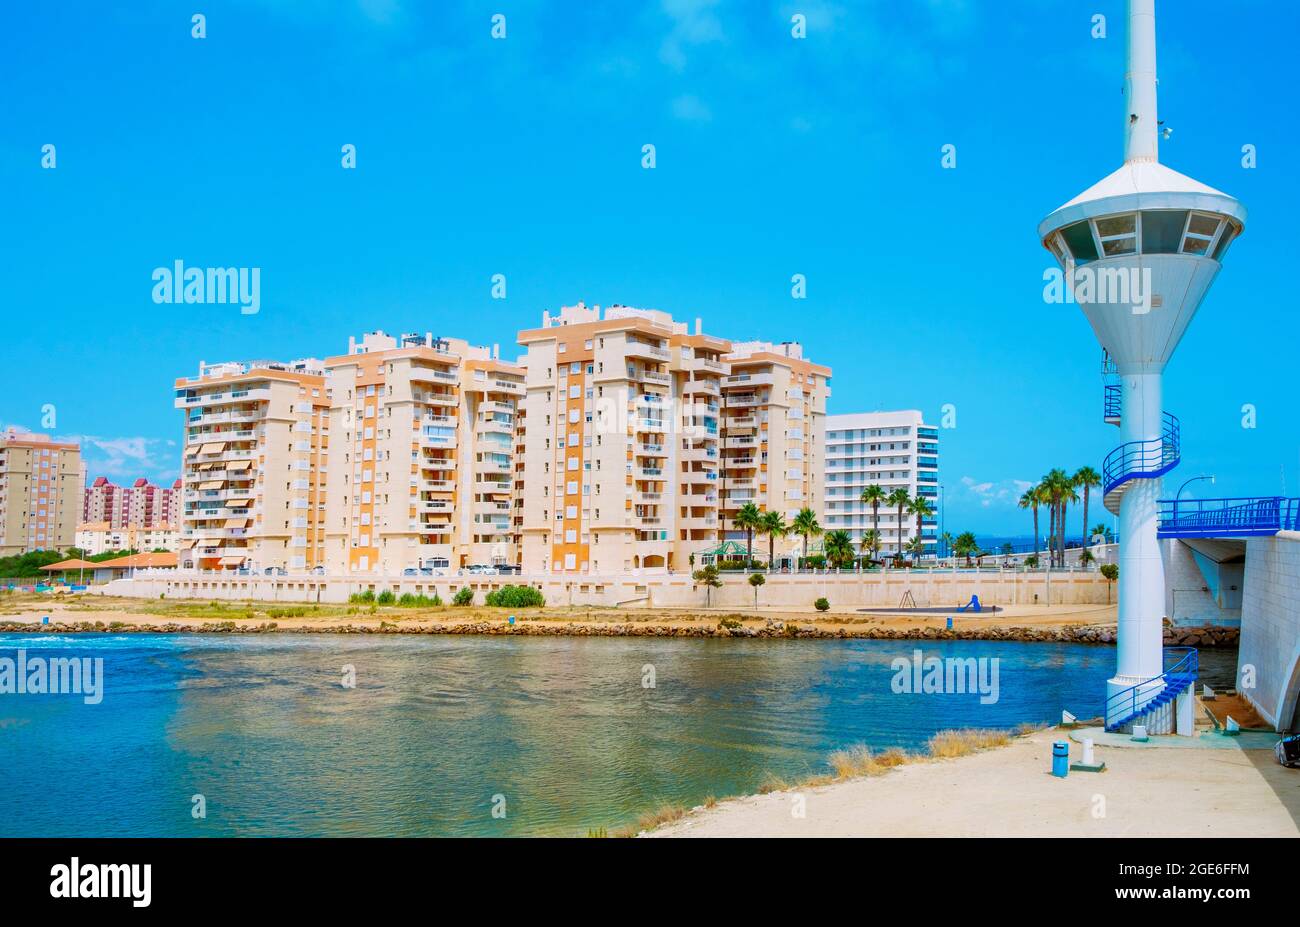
(619, 467)
(773, 437)
(891, 450)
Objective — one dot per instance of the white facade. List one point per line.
(892, 450)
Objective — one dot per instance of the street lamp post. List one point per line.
(1179, 494)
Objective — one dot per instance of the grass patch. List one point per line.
(947, 744)
(664, 814)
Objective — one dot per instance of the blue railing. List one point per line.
(1111, 402)
(1150, 458)
(1249, 516)
(1128, 704)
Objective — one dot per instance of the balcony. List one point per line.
(649, 473)
(741, 441)
(749, 379)
(704, 477)
(743, 400)
(211, 399)
(494, 487)
(433, 505)
(644, 349)
(705, 365)
(697, 387)
(740, 423)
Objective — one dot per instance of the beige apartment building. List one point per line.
(620, 453)
(773, 436)
(423, 468)
(256, 452)
(100, 537)
(40, 492)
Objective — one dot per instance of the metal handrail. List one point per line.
(1186, 665)
(1147, 458)
(1112, 401)
(1245, 515)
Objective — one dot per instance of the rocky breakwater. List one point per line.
(729, 626)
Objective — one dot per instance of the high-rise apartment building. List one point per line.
(256, 452)
(773, 434)
(620, 453)
(892, 450)
(140, 505)
(40, 492)
(423, 467)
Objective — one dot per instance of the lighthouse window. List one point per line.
(1162, 230)
(1117, 234)
(1078, 238)
(1200, 233)
(1222, 246)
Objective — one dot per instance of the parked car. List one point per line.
(318, 570)
(410, 571)
(274, 571)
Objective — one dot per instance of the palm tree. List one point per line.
(921, 508)
(838, 547)
(965, 546)
(946, 537)
(1044, 494)
(1086, 478)
(747, 519)
(899, 498)
(873, 495)
(773, 525)
(871, 543)
(1100, 530)
(916, 547)
(1029, 500)
(1056, 483)
(1068, 495)
(805, 523)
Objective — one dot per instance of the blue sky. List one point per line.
(522, 156)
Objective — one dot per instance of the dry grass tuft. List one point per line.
(773, 783)
(664, 814)
(852, 761)
(963, 742)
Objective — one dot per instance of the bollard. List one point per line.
(1060, 759)
(1087, 752)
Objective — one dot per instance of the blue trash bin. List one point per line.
(1060, 759)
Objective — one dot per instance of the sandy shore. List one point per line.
(1008, 791)
(137, 614)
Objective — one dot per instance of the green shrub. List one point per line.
(515, 597)
(386, 597)
(822, 605)
(411, 600)
(436, 600)
(360, 597)
(464, 597)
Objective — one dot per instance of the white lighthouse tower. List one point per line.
(1140, 249)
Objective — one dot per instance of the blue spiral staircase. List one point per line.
(1128, 705)
(1133, 460)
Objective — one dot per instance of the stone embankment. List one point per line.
(730, 626)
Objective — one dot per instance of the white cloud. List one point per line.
(988, 493)
(690, 108)
(693, 23)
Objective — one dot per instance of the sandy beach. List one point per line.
(1008, 792)
(151, 614)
